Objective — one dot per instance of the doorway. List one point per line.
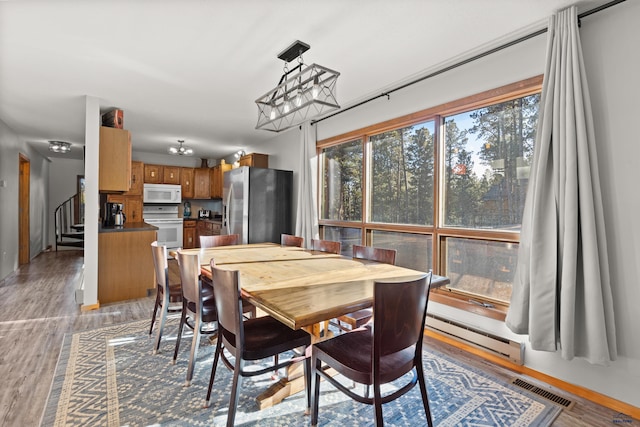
(23, 210)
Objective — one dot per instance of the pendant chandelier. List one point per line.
(303, 92)
(180, 150)
(59, 146)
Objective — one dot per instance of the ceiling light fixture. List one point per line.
(302, 93)
(59, 146)
(180, 150)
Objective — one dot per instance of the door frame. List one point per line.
(24, 238)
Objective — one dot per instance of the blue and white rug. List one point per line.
(109, 377)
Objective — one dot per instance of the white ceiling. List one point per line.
(192, 69)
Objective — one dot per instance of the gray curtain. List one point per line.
(561, 292)
(306, 217)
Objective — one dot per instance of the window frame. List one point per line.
(438, 231)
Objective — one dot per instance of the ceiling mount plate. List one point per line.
(293, 51)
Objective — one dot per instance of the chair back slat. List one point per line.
(189, 264)
(289, 240)
(222, 240)
(226, 289)
(161, 266)
(326, 246)
(388, 256)
(398, 314)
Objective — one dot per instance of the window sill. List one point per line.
(461, 302)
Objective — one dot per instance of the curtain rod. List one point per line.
(468, 60)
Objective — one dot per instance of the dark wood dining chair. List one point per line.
(361, 317)
(249, 340)
(386, 352)
(166, 293)
(326, 246)
(221, 240)
(289, 240)
(198, 309)
(225, 240)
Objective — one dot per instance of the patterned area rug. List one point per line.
(108, 377)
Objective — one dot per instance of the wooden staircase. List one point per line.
(69, 223)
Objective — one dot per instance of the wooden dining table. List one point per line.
(302, 288)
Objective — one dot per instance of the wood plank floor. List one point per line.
(37, 308)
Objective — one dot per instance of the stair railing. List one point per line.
(66, 218)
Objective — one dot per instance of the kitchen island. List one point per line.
(125, 263)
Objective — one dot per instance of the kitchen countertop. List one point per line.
(128, 226)
(215, 221)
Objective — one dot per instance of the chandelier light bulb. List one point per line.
(315, 90)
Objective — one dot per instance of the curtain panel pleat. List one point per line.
(306, 217)
(561, 292)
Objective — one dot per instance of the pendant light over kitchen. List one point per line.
(180, 150)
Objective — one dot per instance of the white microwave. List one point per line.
(162, 193)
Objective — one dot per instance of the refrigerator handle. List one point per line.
(227, 211)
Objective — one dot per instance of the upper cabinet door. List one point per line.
(171, 174)
(186, 181)
(114, 173)
(202, 189)
(137, 179)
(153, 174)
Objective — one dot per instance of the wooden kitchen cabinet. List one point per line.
(254, 159)
(137, 179)
(125, 265)
(171, 175)
(217, 179)
(189, 234)
(153, 174)
(202, 185)
(114, 173)
(186, 181)
(207, 228)
(132, 206)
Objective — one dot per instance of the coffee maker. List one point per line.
(113, 215)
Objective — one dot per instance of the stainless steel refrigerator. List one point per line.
(256, 204)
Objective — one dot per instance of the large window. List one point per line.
(445, 187)
(402, 175)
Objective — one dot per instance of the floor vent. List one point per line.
(499, 346)
(559, 400)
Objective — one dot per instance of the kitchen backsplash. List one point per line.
(215, 206)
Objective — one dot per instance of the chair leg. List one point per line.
(307, 382)
(163, 321)
(377, 402)
(315, 385)
(423, 391)
(155, 310)
(183, 318)
(213, 371)
(195, 343)
(235, 390)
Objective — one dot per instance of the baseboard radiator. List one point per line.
(502, 347)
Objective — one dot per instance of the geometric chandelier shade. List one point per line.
(302, 93)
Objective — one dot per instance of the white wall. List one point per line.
(62, 184)
(612, 68)
(10, 148)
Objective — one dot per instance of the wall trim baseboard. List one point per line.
(90, 307)
(576, 390)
